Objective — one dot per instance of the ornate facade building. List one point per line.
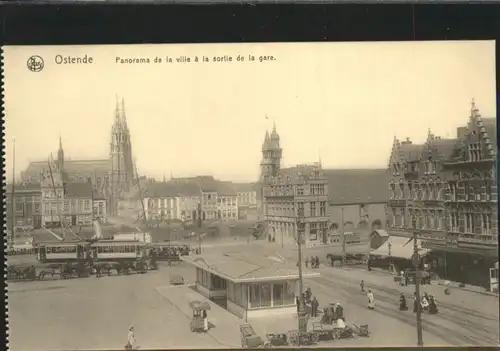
(291, 193)
(448, 189)
(110, 177)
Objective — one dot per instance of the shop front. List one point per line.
(249, 286)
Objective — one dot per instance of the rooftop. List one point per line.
(348, 186)
(79, 190)
(242, 267)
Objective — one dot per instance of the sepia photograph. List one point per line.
(256, 195)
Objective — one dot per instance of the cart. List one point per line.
(276, 339)
(296, 337)
(197, 322)
(325, 331)
(250, 340)
(361, 330)
(176, 279)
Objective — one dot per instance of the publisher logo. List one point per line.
(35, 63)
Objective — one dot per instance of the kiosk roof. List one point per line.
(240, 267)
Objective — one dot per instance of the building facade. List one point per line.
(298, 193)
(27, 212)
(447, 189)
(247, 200)
(179, 198)
(357, 202)
(111, 177)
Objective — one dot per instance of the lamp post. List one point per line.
(302, 314)
(416, 264)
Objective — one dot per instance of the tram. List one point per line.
(167, 251)
(113, 250)
(61, 251)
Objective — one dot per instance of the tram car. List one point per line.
(61, 251)
(113, 250)
(167, 251)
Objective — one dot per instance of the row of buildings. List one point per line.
(447, 188)
(181, 198)
(74, 191)
(328, 201)
(444, 189)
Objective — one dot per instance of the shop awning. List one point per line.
(398, 247)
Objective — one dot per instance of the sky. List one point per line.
(342, 103)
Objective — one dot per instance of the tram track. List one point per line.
(351, 294)
(442, 303)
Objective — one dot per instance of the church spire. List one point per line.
(117, 112)
(124, 117)
(60, 155)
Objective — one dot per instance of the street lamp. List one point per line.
(301, 314)
(416, 263)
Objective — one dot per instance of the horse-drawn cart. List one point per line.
(250, 340)
(297, 337)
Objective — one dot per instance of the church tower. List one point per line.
(60, 156)
(271, 156)
(122, 170)
(269, 166)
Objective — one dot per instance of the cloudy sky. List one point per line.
(343, 102)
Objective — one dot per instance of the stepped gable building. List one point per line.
(447, 188)
(110, 177)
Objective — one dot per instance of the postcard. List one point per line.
(198, 196)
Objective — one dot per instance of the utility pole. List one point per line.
(416, 264)
(199, 225)
(13, 217)
(342, 233)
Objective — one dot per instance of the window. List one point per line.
(37, 207)
(289, 293)
(300, 190)
(19, 207)
(322, 208)
(265, 300)
(300, 209)
(278, 294)
(218, 282)
(313, 209)
(313, 231)
(254, 295)
(230, 291)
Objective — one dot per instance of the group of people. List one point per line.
(333, 313)
(314, 262)
(427, 303)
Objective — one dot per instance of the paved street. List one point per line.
(95, 313)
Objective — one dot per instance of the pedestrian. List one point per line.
(205, 321)
(297, 300)
(362, 286)
(371, 299)
(307, 262)
(340, 311)
(131, 342)
(317, 262)
(314, 307)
